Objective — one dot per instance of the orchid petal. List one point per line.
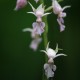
(46, 14)
(48, 70)
(56, 50)
(62, 14)
(62, 27)
(42, 24)
(65, 7)
(40, 8)
(31, 13)
(31, 6)
(54, 67)
(43, 51)
(35, 42)
(60, 55)
(38, 27)
(27, 29)
(47, 46)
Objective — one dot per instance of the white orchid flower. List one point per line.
(39, 12)
(57, 9)
(20, 4)
(52, 53)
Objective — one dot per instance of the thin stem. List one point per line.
(45, 37)
(46, 27)
(49, 8)
(42, 1)
(45, 32)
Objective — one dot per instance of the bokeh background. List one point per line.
(19, 62)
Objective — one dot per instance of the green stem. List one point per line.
(42, 1)
(45, 37)
(45, 41)
(49, 8)
(46, 30)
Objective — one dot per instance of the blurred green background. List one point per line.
(19, 62)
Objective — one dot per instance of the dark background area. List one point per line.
(19, 62)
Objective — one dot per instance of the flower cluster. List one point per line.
(39, 27)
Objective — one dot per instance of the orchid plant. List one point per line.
(40, 26)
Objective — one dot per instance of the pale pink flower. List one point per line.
(39, 12)
(57, 9)
(20, 4)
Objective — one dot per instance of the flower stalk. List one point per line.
(46, 30)
(45, 37)
(40, 26)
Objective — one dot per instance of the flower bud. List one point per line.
(20, 4)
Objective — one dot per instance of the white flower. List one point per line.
(52, 53)
(49, 70)
(57, 9)
(39, 12)
(38, 27)
(20, 4)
